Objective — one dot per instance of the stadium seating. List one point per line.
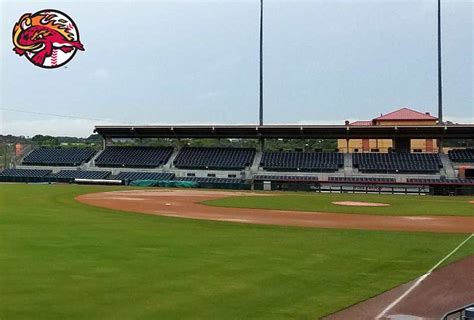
(302, 161)
(59, 156)
(81, 174)
(131, 176)
(461, 155)
(454, 181)
(209, 179)
(397, 162)
(24, 173)
(134, 157)
(264, 177)
(361, 179)
(214, 158)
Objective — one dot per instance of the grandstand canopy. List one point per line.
(288, 131)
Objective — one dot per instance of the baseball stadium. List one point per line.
(371, 218)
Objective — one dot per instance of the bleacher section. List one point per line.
(361, 179)
(209, 179)
(302, 161)
(455, 181)
(418, 173)
(81, 174)
(285, 178)
(59, 156)
(131, 176)
(213, 182)
(461, 155)
(134, 157)
(397, 162)
(214, 158)
(24, 173)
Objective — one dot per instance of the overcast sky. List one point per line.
(180, 62)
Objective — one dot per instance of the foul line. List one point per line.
(420, 279)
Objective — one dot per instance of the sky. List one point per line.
(196, 62)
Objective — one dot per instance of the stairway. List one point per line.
(348, 169)
(256, 162)
(168, 165)
(91, 162)
(447, 166)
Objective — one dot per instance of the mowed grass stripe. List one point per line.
(400, 205)
(60, 259)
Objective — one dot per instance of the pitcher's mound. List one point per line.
(471, 201)
(360, 204)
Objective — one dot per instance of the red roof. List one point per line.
(361, 123)
(405, 114)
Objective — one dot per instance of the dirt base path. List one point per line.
(185, 204)
(444, 290)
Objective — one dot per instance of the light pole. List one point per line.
(261, 66)
(440, 84)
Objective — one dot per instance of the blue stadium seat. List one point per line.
(59, 156)
(361, 179)
(397, 162)
(448, 181)
(24, 173)
(134, 157)
(81, 174)
(461, 155)
(210, 180)
(284, 178)
(214, 158)
(131, 176)
(302, 161)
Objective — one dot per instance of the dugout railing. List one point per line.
(464, 313)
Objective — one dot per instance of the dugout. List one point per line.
(452, 190)
(285, 186)
(286, 183)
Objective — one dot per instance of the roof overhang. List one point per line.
(461, 131)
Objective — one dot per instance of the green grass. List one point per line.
(60, 259)
(400, 205)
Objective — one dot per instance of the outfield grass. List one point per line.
(400, 205)
(60, 259)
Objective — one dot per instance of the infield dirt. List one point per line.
(186, 204)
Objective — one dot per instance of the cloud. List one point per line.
(53, 127)
(460, 120)
(100, 74)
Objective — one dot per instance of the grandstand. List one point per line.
(209, 179)
(214, 158)
(258, 168)
(362, 179)
(285, 178)
(302, 161)
(213, 182)
(462, 155)
(81, 174)
(133, 157)
(59, 156)
(397, 162)
(140, 175)
(24, 173)
(453, 181)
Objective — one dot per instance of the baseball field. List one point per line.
(61, 258)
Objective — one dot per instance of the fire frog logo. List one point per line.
(47, 38)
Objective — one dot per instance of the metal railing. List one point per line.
(459, 314)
